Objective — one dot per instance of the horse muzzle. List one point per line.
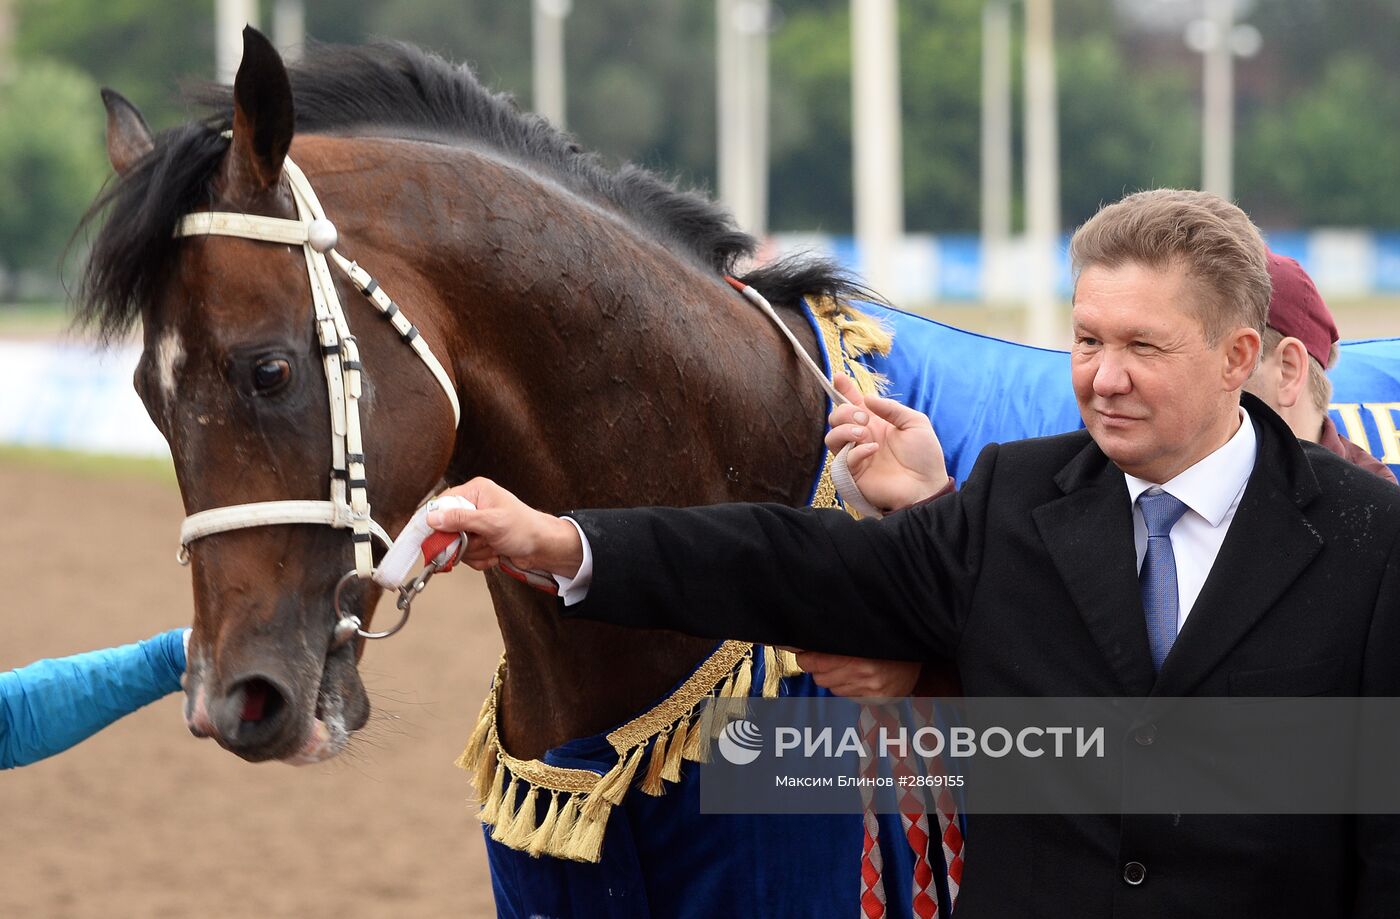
(260, 715)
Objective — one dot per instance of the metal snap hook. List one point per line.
(348, 625)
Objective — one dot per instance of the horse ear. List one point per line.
(128, 138)
(263, 117)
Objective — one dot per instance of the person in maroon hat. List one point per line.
(1300, 344)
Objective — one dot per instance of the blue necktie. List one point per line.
(1160, 511)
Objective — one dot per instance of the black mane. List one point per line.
(396, 89)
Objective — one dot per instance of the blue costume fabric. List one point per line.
(980, 390)
(50, 705)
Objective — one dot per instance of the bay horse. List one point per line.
(584, 329)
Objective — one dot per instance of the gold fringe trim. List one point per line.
(681, 728)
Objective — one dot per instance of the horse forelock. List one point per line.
(134, 246)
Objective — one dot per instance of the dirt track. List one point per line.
(144, 820)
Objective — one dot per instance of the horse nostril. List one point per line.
(254, 716)
(262, 700)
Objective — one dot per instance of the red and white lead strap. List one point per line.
(440, 548)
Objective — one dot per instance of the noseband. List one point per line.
(348, 506)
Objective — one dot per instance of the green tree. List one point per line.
(1331, 157)
(52, 163)
(1119, 131)
(640, 75)
(141, 48)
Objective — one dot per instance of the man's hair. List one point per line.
(1319, 386)
(1215, 242)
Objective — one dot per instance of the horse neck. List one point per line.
(596, 368)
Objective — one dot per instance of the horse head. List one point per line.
(232, 373)
(582, 317)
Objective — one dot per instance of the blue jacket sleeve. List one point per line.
(50, 705)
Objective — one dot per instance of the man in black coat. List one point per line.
(1184, 544)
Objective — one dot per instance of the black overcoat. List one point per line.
(1026, 578)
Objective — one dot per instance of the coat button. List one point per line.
(1134, 873)
(1145, 735)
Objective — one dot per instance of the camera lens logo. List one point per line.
(741, 742)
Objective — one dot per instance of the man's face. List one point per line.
(1154, 393)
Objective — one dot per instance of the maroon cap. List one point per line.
(1296, 308)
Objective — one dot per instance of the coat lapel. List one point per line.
(1089, 536)
(1269, 544)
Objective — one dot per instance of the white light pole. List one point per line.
(230, 16)
(548, 58)
(741, 63)
(1043, 326)
(996, 148)
(875, 126)
(1219, 41)
(7, 39)
(289, 28)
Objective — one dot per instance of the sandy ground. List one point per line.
(144, 820)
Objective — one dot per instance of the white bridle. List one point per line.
(348, 506)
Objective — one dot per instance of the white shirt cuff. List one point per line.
(573, 590)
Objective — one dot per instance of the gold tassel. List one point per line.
(559, 841)
(476, 744)
(743, 680)
(771, 676)
(671, 771)
(619, 781)
(787, 664)
(485, 777)
(491, 807)
(711, 725)
(587, 843)
(539, 839)
(523, 823)
(505, 815)
(651, 782)
(697, 738)
(606, 781)
(862, 334)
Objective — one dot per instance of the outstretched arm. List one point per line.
(894, 588)
(50, 705)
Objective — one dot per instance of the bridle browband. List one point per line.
(348, 506)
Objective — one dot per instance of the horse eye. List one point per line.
(271, 375)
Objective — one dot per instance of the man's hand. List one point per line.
(897, 459)
(859, 677)
(503, 526)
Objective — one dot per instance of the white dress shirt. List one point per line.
(1211, 491)
(573, 590)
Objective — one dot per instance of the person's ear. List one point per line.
(1241, 356)
(1293, 372)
